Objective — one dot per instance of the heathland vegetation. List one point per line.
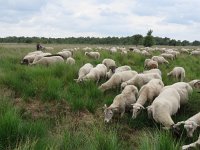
(44, 108)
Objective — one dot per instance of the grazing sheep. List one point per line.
(95, 55)
(121, 102)
(96, 73)
(30, 57)
(150, 64)
(153, 71)
(148, 93)
(192, 145)
(145, 53)
(118, 69)
(178, 73)
(168, 56)
(113, 50)
(49, 60)
(39, 56)
(65, 54)
(141, 79)
(190, 124)
(184, 89)
(160, 59)
(83, 71)
(195, 53)
(195, 84)
(70, 61)
(164, 106)
(109, 63)
(117, 79)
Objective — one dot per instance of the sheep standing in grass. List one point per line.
(195, 53)
(168, 56)
(160, 59)
(150, 64)
(148, 93)
(49, 60)
(184, 89)
(118, 69)
(29, 58)
(178, 73)
(190, 124)
(109, 63)
(65, 54)
(70, 61)
(96, 73)
(195, 84)
(83, 71)
(117, 79)
(95, 55)
(192, 145)
(164, 106)
(39, 56)
(121, 102)
(153, 71)
(141, 79)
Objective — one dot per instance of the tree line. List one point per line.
(137, 39)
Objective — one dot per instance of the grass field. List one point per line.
(44, 108)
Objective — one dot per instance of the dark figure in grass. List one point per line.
(38, 46)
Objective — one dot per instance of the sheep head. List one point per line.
(190, 127)
(109, 112)
(137, 109)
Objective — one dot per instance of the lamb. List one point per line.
(151, 64)
(65, 54)
(192, 145)
(160, 59)
(83, 71)
(119, 69)
(49, 60)
(190, 124)
(184, 89)
(195, 84)
(141, 79)
(109, 63)
(148, 93)
(178, 73)
(153, 71)
(117, 79)
(168, 56)
(121, 102)
(164, 106)
(96, 73)
(95, 55)
(70, 61)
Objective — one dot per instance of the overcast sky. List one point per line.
(178, 19)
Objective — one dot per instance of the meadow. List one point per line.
(43, 108)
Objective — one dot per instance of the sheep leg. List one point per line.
(192, 145)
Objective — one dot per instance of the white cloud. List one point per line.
(64, 18)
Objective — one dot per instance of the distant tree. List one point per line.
(185, 43)
(172, 42)
(149, 39)
(137, 39)
(178, 43)
(196, 43)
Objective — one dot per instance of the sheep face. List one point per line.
(190, 127)
(108, 114)
(197, 85)
(136, 110)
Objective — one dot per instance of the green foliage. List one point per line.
(137, 39)
(149, 39)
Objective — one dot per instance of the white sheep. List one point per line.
(164, 106)
(195, 84)
(195, 53)
(168, 56)
(121, 102)
(65, 54)
(141, 79)
(151, 64)
(83, 71)
(95, 55)
(113, 49)
(49, 60)
(190, 124)
(117, 79)
(160, 59)
(70, 61)
(178, 73)
(30, 57)
(192, 145)
(118, 69)
(148, 93)
(109, 63)
(96, 73)
(183, 88)
(39, 56)
(153, 71)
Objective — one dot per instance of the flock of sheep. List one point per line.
(138, 89)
